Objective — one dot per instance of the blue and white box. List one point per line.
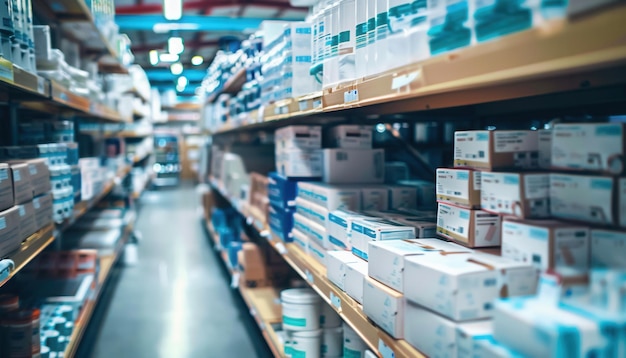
(331, 197)
(281, 222)
(281, 191)
(313, 231)
(339, 227)
(366, 230)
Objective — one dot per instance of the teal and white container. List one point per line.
(360, 52)
(305, 344)
(347, 66)
(449, 27)
(301, 309)
(332, 342)
(329, 318)
(399, 20)
(353, 345)
(382, 30)
(371, 38)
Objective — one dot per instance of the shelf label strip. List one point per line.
(335, 301)
(6, 71)
(384, 350)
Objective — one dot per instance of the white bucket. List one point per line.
(305, 344)
(301, 309)
(332, 342)
(353, 345)
(329, 318)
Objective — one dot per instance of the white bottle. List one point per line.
(347, 27)
(382, 46)
(399, 24)
(361, 39)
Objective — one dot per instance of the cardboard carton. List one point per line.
(607, 249)
(385, 307)
(22, 188)
(27, 220)
(298, 137)
(6, 187)
(351, 136)
(366, 230)
(459, 187)
(337, 265)
(354, 166)
(490, 150)
(402, 197)
(339, 227)
(9, 231)
(524, 195)
(471, 228)
(331, 197)
(43, 210)
(356, 273)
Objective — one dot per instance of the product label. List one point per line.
(4, 175)
(582, 198)
(16, 175)
(522, 141)
(451, 219)
(22, 210)
(3, 223)
(471, 146)
(502, 193)
(570, 147)
(296, 322)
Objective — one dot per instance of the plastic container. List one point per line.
(45, 352)
(353, 345)
(51, 339)
(329, 318)
(8, 303)
(305, 344)
(21, 332)
(332, 342)
(301, 309)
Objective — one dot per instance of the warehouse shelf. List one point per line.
(29, 249)
(106, 266)
(21, 83)
(135, 91)
(232, 86)
(560, 56)
(139, 158)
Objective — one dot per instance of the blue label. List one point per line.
(482, 137)
(602, 184)
(337, 220)
(462, 175)
(540, 234)
(359, 253)
(358, 228)
(464, 215)
(16, 175)
(609, 130)
(511, 180)
(3, 223)
(333, 240)
(369, 232)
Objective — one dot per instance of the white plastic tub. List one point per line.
(332, 342)
(301, 309)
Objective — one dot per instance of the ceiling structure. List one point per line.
(206, 26)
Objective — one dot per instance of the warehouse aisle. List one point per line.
(176, 301)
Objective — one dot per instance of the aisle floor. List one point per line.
(176, 302)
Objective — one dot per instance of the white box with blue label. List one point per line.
(386, 258)
(524, 195)
(463, 287)
(6, 187)
(471, 228)
(301, 240)
(354, 166)
(385, 307)
(317, 251)
(497, 149)
(402, 197)
(366, 230)
(468, 335)
(313, 231)
(300, 163)
(298, 137)
(356, 273)
(312, 211)
(571, 147)
(339, 226)
(351, 136)
(281, 191)
(548, 245)
(374, 198)
(337, 266)
(592, 199)
(423, 228)
(608, 248)
(331, 197)
(459, 186)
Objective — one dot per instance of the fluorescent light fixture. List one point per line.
(168, 57)
(176, 68)
(180, 88)
(167, 27)
(197, 60)
(154, 57)
(172, 9)
(175, 45)
(182, 81)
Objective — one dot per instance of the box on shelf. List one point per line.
(22, 188)
(354, 166)
(498, 149)
(374, 198)
(312, 211)
(441, 283)
(337, 266)
(27, 220)
(586, 198)
(363, 231)
(39, 176)
(548, 245)
(459, 187)
(317, 251)
(281, 191)
(350, 136)
(315, 232)
(402, 197)
(6, 187)
(423, 228)
(571, 147)
(254, 268)
(545, 148)
(524, 195)
(298, 137)
(43, 210)
(300, 163)
(607, 249)
(339, 226)
(9, 231)
(471, 228)
(331, 197)
(386, 258)
(281, 222)
(385, 307)
(468, 335)
(356, 273)
(301, 240)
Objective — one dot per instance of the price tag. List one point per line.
(234, 283)
(265, 234)
(303, 105)
(335, 301)
(6, 71)
(405, 80)
(249, 220)
(63, 96)
(309, 276)
(384, 350)
(41, 83)
(351, 96)
(282, 249)
(317, 103)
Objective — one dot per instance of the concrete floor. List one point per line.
(176, 302)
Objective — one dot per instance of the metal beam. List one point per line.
(204, 5)
(187, 23)
(164, 74)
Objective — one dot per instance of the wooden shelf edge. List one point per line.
(29, 249)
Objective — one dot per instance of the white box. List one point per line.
(336, 266)
(315, 232)
(298, 137)
(354, 166)
(463, 286)
(385, 307)
(366, 230)
(491, 150)
(312, 211)
(521, 194)
(339, 226)
(386, 258)
(548, 245)
(584, 198)
(298, 163)
(608, 249)
(459, 186)
(355, 279)
(467, 336)
(472, 228)
(331, 197)
(545, 148)
(374, 198)
(423, 228)
(317, 251)
(594, 146)
(301, 240)
(402, 197)
(351, 136)
(434, 335)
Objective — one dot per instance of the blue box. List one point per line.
(281, 222)
(282, 191)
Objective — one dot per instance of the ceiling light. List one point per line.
(175, 45)
(166, 27)
(154, 57)
(197, 60)
(182, 81)
(168, 57)
(176, 68)
(180, 88)
(172, 9)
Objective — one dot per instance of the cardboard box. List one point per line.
(468, 335)
(331, 197)
(253, 263)
(374, 198)
(300, 163)
(22, 188)
(402, 197)
(43, 210)
(366, 230)
(317, 251)
(585, 198)
(27, 220)
(463, 286)
(354, 166)
(336, 266)
(571, 147)
(39, 176)
(281, 191)
(301, 240)
(548, 245)
(498, 149)
(386, 258)
(423, 228)
(426, 192)
(385, 307)
(545, 148)
(607, 249)
(350, 136)
(6, 187)
(432, 334)
(9, 231)
(298, 137)
(471, 228)
(339, 227)
(395, 172)
(316, 213)
(523, 195)
(356, 273)
(459, 187)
